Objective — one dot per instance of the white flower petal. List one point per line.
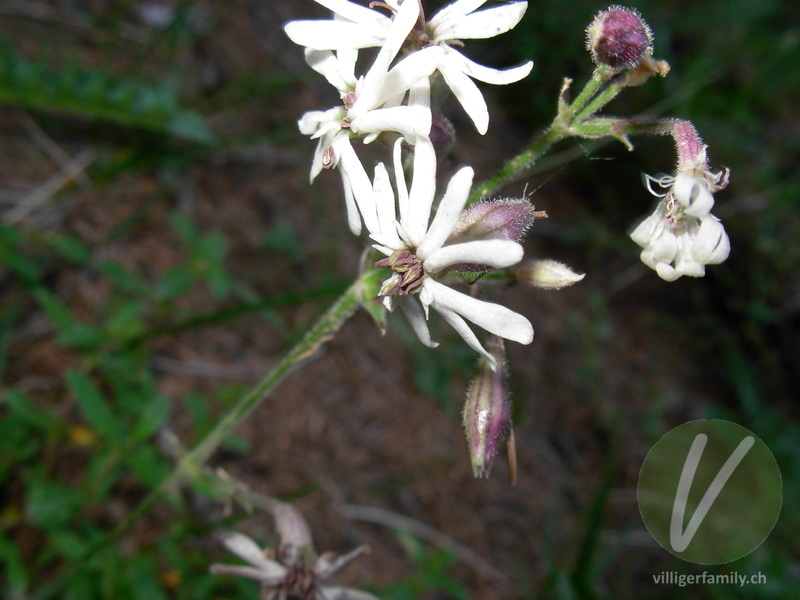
(400, 179)
(494, 318)
(693, 195)
(353, 218)
(333, 35)
(461, 327)
(327, 64)
(453, 12)
(416, 318)
(648, 229)
(372, 85)
(352, 169)
(465, 91)
(494, 253)
(667, 272)
(494, 76)
(385, 206)
(711, 245)
(408, 121)
(246, 549)
(481, 24)
(450, 208)
(357, 13)
(423, 190)
(409, 71)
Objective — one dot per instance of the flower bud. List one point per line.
(487, 410)
(506, 219)
(619, 38)
(547, 274)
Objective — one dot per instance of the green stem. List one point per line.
(599, 101)
(600, 76)
(190, 465)
(522, 162)
(569, 116)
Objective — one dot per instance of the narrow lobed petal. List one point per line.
(372, 85)
(246, 549)
(422, 192)
(410, 71)
(465, 90)
(453, 12)
(481, 24)
(352, 169)
(356, 13)
(333, 35)
(460, 325)
(493, 253)
(494, 76)
(416, 318)
(494, 318)
(450, 208)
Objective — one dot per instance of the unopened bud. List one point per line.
(504, 219)
(547, 274)
(619, 38)
(487, 410)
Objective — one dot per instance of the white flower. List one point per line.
(436, 43)
(417, 252)
(682, 236)
(295, 579)
(370, 106)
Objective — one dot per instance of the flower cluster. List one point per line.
(393, 95)
(681, 237)
(392, 99)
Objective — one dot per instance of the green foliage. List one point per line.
(431, 576)
(97, 94)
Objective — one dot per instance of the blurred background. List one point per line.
(161, 247)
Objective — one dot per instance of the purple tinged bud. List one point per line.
(690, 147)
(506, 219)
(487, 410)
(619, 38)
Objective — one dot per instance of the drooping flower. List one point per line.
(295, 571)
(681, 237)
(417, 252)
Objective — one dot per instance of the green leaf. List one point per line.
(152, 417)
(22, 407)
(51, 505)
(70, 248)
(95, 408)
